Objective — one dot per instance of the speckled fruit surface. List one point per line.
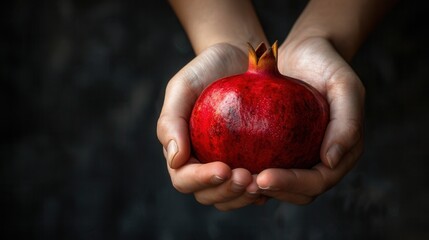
(259, 119)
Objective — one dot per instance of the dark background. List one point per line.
(82, 84)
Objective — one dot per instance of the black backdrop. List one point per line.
(82, 84)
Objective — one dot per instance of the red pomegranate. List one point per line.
(259, 119)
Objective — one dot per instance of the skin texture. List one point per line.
(317, 50)
(259, 119)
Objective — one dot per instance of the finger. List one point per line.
(194, 176)
(182, 91)
(227, 191)
(289, 181)
(244, 200)
(253, 187)
(306, 182)
(173, 134)
(345, 95)
(172, 128)
(250, 196)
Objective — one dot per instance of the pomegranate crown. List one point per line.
(263, 59)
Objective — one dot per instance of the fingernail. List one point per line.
(172, 151)
(236, 187)
(269, 188)
(264, 187)
(334, 155)
(254, 193)
(217, 180)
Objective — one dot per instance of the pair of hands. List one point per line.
(313, 60)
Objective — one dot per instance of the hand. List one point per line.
(213, 183)
(316, 61)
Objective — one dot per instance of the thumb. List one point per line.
(345, 95)
(172, 126)
(183, 90)
(173, 135)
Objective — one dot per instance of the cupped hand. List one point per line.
(316, 61)
(213, 183)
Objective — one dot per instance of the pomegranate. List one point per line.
(259, 119)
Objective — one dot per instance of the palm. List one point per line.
(218, 61)
(212, 183)
(316, 62)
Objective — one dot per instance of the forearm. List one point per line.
(346, 23)
(208, 22)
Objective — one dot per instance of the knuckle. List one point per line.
(191, 80)
(320, 188)
(329, 183)
(354, 130)
(202, 200)
(223, 207)
(180, 188)
(326, 183)
(161, 126)
(360, 87)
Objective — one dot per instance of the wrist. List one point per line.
(345, 24)
(200, 42)
(211, 22)
(346, 42)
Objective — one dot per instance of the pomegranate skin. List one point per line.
(258, 120)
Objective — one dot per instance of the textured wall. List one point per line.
(82, 84)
